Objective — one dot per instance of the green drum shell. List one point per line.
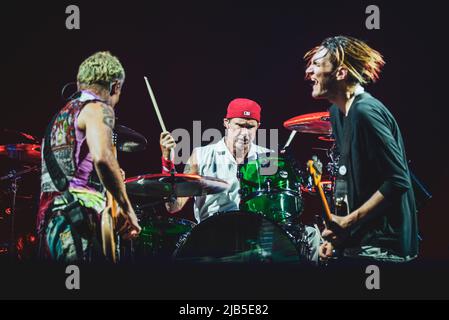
(159, 236)
(271, 187)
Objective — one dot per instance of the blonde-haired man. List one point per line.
(373, 174)
(81, 145)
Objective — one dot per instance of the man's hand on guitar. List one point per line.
(130, 227)
(326, 251)
(336, 230)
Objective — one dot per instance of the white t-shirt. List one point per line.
(217, 161)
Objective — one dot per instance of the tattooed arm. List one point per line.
(97, 120)
(190, 168)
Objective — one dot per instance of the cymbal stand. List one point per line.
(15, 177)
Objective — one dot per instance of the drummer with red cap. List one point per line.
(221, 159)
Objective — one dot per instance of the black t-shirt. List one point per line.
(376, 160)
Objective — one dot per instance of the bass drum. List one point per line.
(237, 237)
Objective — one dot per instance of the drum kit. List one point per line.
(19, 158)
(271, 202)
(266, 228)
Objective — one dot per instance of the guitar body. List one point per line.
(341, 204)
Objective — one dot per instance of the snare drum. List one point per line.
(272, 187)
(237, 237)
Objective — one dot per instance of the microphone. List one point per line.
(64, 88)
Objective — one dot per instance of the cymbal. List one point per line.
(8, 136)
(129, 140)
(179, 185)
(318, 123)
(23, 152)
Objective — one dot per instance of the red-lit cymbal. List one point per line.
(318, 123)
(8, 136)
(24, 152)
(179, 185)
(329, 138)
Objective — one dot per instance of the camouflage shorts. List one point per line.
(61, 244)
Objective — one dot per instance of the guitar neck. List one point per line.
(112, 204)
(110, 198)
(327, 210)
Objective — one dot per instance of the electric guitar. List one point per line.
(108, 223)
(109, 218)
(315, 168)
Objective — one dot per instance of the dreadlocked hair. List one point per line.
(363, 62)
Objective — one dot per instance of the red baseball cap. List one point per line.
(243, 108)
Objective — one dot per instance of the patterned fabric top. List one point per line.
(72, 153)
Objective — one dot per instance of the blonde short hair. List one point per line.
(100, 68)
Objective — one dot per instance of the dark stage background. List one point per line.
(199, 56)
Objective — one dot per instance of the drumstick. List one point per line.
(156, 108)
(290, 139)
(158, 113)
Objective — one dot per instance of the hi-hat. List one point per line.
(129, 140)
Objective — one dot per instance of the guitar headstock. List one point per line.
(315, 168)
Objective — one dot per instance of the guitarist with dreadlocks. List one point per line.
(373, 173)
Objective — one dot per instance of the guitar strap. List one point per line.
(74, 213)
(344, 172)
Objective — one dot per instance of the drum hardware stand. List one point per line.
(332, 166)
(172, 196)
(268, 184)
(15, 177)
